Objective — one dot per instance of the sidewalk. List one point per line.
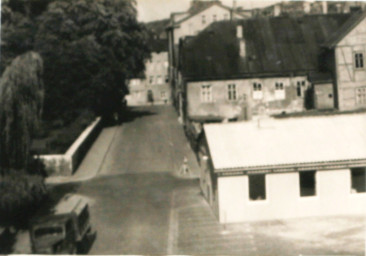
(93, 160)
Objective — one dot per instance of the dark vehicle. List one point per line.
(64, 229)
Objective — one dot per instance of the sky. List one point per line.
(149, 10)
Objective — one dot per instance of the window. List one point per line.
(206, 93)
(358, 180)
(163, 95)
(361, 96)
(298, 89)
(257, 91)
(151, 80)
(257, 187)
(307, 183)
(257, 87)
(159, 80)
(203, 19)
(214, 17)
(279, 91)
(231, 90)
(242, 51)
(358, 60)
(166, 79)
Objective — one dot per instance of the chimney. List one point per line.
(239, 31)
(325, 7)
(306, 7)
(277, 10)
(239, 36)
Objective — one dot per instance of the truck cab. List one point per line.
(63, 229)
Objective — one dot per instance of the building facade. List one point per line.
(190, 23)
(271, 65)
(349, 48)
(152, 87)
(280, 169)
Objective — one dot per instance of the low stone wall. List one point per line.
(66, 164)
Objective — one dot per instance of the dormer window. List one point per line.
(226, 16)
(203, 19)
(214, 17)
(359, 60)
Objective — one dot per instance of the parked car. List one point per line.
(64, 229)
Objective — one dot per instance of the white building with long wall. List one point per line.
(285, 168)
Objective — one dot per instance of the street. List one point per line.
(132, 192)
(140, 205)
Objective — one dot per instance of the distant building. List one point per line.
(273, 65)
(152, 87)
(285, 168)
(299, 8)
(189, 23)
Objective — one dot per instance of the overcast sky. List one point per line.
(149, 10)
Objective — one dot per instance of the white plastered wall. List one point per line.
(333, 197)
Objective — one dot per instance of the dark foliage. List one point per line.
(89, 49)
(20, 197)
(21, 99)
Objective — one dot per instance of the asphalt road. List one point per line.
(132, 193)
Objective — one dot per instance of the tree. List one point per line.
(21, 99)
(89, 48)
(20, 197)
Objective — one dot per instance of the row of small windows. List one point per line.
(157, 65)
(158, 79)
(307, 184)
(214, 18)
(206, 91)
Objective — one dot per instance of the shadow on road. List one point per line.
(128, 116)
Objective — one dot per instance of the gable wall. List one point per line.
(348, 77)
(194, 24)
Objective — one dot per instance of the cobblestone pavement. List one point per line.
(194, 229)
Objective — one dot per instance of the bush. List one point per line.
(20, 197)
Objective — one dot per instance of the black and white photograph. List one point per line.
(183, 127)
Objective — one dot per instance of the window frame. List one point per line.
(206, 93)
(203, 19)
(257, 91)
(360, 95)
(265, 199)
(280, 91)
(316, 190)
(232, 93)
(359, 63)
(351, 182)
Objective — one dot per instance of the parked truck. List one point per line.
(64, 229)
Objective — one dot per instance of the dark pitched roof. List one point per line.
(274, 45)
(158, 26)
(158, 41)
(351, 23)
(198, 6)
